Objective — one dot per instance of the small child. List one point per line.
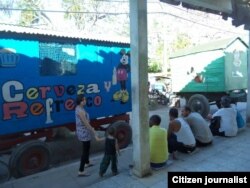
(111, 149)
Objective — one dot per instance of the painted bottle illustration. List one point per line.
(114, 78)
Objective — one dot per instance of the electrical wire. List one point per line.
(121, 13)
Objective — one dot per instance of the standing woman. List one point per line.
(83, 132)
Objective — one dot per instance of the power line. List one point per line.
(19, 25)
(195, 22)
(120, 13)
(61, 11)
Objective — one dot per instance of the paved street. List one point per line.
(225, 155)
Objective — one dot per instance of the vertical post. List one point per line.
(248, 84)
(139, 75)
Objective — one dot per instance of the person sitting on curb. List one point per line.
(158, 143)
(180, 136)
(239, 119)
(226, 124)
(199, 127)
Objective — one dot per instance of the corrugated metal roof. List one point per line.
(238, 10)
(214, 45)
(75, 35)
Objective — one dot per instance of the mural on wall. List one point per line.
(120, 75)
(197, 77)
(16, 99)
(8, 57)
(39, 82)
(236, 72)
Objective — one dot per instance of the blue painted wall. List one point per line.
(40, 80)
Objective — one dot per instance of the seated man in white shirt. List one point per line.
(227, 124)
(180, 136)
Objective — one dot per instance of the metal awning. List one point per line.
(238, 10)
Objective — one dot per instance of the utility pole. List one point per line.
(248, 83)
(139, 75)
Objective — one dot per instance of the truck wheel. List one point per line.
(199, 103)
(123, 133)
(29, 158)
(4, 172)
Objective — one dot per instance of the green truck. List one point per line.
(204, 73)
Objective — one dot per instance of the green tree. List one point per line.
(6, 5)
(154, 66)
(31, 14)
(82, 12)
(182, 41)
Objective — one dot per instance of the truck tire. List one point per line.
(199, 103)
(123, 133)
(4, 172)
(29, 158)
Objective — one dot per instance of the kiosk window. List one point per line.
(57, 59)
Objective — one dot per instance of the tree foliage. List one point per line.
(82, 12)
(30, 15)
(6, 5)
(154, 66)
(182, 41)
